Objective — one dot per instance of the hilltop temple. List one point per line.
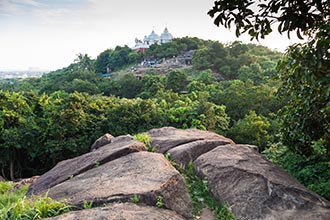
(153, 38)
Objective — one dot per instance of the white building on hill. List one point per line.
(153, 38)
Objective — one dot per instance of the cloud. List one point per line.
(9, 8)
(37, 12)
(31, 3)
(14, 8)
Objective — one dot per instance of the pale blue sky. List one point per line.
(49, 34)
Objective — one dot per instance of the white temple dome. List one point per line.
(153, 38)
(166, 36)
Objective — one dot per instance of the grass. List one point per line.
(8, 196)
(146, 139)
(15, 206)
(160, 202)
(87, 205)
(201, 196)
(136, 199)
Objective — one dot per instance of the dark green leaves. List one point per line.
(256, 17)
(305, 72)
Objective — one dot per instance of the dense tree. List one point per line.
(256, 17)
(252, 129)
(174, 48)
(242, 97)
(128, 86)
(152, 84)
(177, 81)
(17, 131)
(304, 74)
(84, 62)
(202, 59)
(135, 57)
(205, 77)
(102, 61)
(112, 60)
(304, 70)
(37, 131)
(252, 72)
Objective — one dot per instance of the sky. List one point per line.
(48, 34)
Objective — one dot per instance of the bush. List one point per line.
(15, 206)
(7, 196)
(146, 139)
(312, 171)
(5, 187)
(253, 129)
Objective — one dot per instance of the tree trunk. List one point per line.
(18, 165)
(3, 172)
(12, 171)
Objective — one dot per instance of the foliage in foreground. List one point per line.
(7, 197)
(15, 206)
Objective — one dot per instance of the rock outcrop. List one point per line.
(254, 188)
(121, 211)
(70, 168)
(114, 174)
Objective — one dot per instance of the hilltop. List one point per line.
(189, 55)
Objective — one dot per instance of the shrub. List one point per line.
(312, 171)
(15, 206)
(145, 138)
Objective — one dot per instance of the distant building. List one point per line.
(153, 38)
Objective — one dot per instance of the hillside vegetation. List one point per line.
(230, 89)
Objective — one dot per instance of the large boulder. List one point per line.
(256, 189)
(121, 211)
(100, 142)
(147, 175)
(166, 138)
(70, 168)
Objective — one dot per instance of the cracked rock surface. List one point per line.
(255, 188)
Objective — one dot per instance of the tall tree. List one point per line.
(305, 69)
